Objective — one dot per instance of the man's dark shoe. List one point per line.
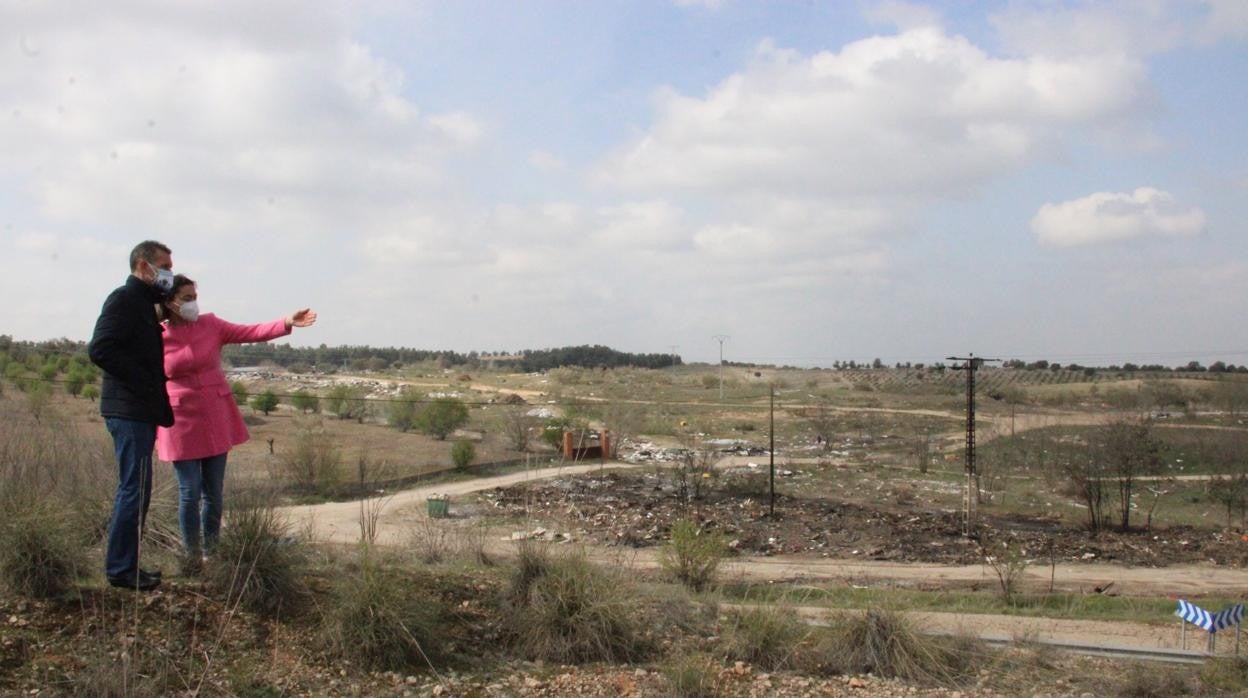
(154, 574)
(141, 581)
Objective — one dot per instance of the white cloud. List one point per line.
(708, 4)
(546, 161)
(920, 114)
(645, 225)
(459, 126)
(903, 15)
(213, 119)
(1109, 217)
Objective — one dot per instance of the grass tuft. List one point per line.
(885, 643)
(568, 611)
(259, 561)
(765, 636)
(381, 619)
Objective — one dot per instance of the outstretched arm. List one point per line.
(302, 318)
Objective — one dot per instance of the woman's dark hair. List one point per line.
(179, 282)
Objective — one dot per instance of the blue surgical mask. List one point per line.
(163, 281)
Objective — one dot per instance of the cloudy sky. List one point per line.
(818, 180)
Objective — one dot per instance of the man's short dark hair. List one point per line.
(146, 252)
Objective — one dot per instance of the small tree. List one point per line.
(1130, 450)
(552, 431)
(442, 417)
(1008, 561)
(403, 413)
(75, 382)
(516, 426)
(1085, 475)
(305, 402)
(623, 420)
(265, 402)
(239, 389)
(347, 401)
(91, 392)
(823, 421)
(462, 454)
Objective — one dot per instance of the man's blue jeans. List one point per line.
(201, 484)
(133, 443)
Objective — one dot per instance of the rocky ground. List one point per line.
(637, 509)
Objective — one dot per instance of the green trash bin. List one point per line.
(439, 506)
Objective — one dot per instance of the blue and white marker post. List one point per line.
(1209, 622)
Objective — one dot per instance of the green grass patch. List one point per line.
(1056, 605)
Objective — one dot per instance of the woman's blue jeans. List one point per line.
(201, 484)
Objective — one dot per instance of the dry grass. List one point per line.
(380, 618)
(55, 501)
(567, 610)
(887, 644)
(259, 562)
(765, 636)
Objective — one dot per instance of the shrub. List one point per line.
(258, 562)
(74, 383)
(691, 676)
(885, 643)
(766, 636)
(38, 399)
(314, 462)
(1149, 682)
(265, 402)
(403, 413)
(347, 401)
(1229, 674)
(442, 417)
(552, 431)
(305, 402)
(91, 392)
(462, 454)
(569, 611)
(380, 619)
(693, 556)
(42, 552)
(239, 389)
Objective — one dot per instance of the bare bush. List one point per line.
(1008, 561)
(517, 427)
(314, 462)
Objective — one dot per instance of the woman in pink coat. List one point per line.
(207, 423)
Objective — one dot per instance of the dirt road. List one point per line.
(340, 522)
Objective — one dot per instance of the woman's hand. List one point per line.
(302, 318)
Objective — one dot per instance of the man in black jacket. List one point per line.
(127, 345)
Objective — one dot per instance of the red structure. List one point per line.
(584, 445)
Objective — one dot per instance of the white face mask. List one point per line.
(189, 311)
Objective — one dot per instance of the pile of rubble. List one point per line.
(638, 509)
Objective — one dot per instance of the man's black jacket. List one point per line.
(128, 346)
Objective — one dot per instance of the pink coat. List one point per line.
(206, 419)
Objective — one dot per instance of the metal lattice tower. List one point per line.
(970, 501)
